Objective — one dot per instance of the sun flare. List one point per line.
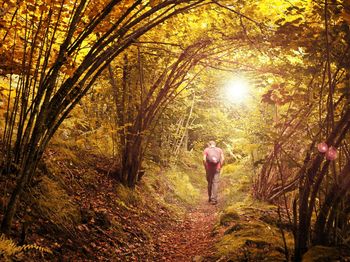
(237, 90)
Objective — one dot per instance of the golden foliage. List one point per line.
(36, 247)
(9, 250)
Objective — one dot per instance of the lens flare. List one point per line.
(237, 89)
(322, 147)
(331, 154)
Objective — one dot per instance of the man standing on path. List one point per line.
(213, 159)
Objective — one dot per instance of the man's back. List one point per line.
(213, 156)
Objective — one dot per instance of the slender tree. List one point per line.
(145, 109)
(59, 49)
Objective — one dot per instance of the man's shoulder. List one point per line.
(220, 149)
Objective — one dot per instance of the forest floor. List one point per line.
(193, 238)
(81, 213)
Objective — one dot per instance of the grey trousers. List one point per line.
(213, 177)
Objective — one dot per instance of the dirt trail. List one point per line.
(191, 239)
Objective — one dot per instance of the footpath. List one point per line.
(191, 239)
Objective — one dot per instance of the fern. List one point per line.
(9, 249)
(36, 247)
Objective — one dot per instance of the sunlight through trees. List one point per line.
(150, 82)
(236, 89)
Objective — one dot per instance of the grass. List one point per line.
(247, 237)
(191, 164)
(53, 203)
(127, 197)
(229, 215)
(181, 186)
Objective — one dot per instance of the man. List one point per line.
(213, 159)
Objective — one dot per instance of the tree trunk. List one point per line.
(331, 202)
(308, 185)
(185, 129)
(132, 158)
(25, 173)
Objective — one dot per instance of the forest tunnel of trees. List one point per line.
(139, 81)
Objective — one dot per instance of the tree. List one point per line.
(317, 112)
(58, 49)
(151, 95)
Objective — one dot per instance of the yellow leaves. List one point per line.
(346, 17)
(43, 8)
(30, 8)
(154, 3)
(5, 91)
(69, 68)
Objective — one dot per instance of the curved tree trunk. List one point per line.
(331, 202)
(53, 100)
(308, 186)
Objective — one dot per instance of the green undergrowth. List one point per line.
(180, 186)
(177, 186)
(251, 229)
(191, 163)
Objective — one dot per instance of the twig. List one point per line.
(286, 250)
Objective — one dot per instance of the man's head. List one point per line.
(212, 143)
